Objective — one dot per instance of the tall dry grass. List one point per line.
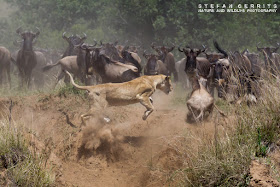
(225, 159)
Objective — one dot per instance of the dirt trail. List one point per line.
(127, 151)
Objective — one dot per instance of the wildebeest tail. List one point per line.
(219, 49)
(76, 85)
(47, 67)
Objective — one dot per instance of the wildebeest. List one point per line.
(271, 58)
(73, 64)
(37, 76)
(220, 70)
(247, 69)
(154, 66)
(26, 58)
(5, 62)
(108, 69)
(196, 65)
(167, 58)
(124, 55)
(73, 40)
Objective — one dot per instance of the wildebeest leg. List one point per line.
(175, 74)
(60, 76)
(191, 114)
(67, 80)
(8, 70)
(150, 108)
(1, 76)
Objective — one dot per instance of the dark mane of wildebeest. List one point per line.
(196, 65)
(26, 58)
(271, 58)
(5, 62)
(220, 70)
(154, 66)
(108, 69)
(123, 56)
(73, 40)
(167, 58)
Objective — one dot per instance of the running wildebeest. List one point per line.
(167, 58)
(154, 66)
(73, 40)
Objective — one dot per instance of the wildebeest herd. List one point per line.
(236, 74)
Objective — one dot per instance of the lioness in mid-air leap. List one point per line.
(117, 94)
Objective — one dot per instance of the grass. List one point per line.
(69, 89)
(23, 167)
(225, 160)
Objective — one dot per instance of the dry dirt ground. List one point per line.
(126, 151)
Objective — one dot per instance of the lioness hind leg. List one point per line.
(150, 108)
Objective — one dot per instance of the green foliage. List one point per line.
(140, 22)
(69, 89)
(23, 167)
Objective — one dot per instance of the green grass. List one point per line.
(69, 89)
(23, 167)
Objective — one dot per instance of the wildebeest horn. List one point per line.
(204, 48)
(116, 42)
(63, 36)
(179, 49)
(211, 72)
(19, 30)
(171, 48)
(145, 55)
(95, 43)
(273, 50)
(258, 48)
(38, 32)
(153, 45)
(85, 36)
(101, 42)
(16, 43)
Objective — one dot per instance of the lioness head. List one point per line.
(165, 86)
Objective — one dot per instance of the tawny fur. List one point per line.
(200, 102)
(138, 90)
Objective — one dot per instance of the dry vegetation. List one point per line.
(165, 150)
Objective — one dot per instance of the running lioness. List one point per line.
(117, 94)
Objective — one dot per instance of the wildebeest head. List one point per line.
(28, 38)
(152, 66)
(73, 40)
(191, 55)
(214, 57)
(91, 57)
(111, 50)
(268, 50)
(131, 58)
(162, 50)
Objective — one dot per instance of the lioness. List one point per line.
(134, 91)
